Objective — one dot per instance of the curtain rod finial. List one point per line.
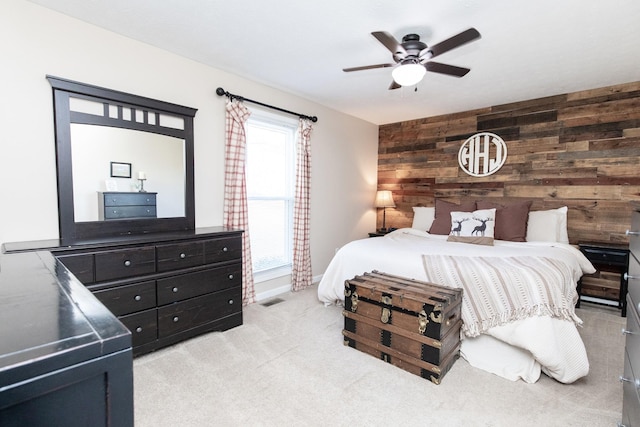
(221, 92)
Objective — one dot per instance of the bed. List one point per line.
(530, 325)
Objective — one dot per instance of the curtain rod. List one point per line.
(222, 92)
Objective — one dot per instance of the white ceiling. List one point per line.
(528, 49)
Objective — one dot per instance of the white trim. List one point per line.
(261, 296)
(587, 298)
(278, 119)
(272, 273)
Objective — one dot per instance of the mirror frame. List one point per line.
(63, 89)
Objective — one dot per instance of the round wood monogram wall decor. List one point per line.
(482, 154)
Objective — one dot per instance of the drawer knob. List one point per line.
(626, 332)
(183, 255)
(175, 319)
(175, 289)
(127, 263)
(137, 298)
(230, 302)
(635, 382)
(225, 249)
(632, 233)
(231, 277)
(139, 329)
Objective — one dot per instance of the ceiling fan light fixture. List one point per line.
(408, 74)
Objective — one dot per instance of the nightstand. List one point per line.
(602, 287)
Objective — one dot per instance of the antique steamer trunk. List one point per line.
(411, 324)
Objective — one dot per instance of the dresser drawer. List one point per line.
(129, 199)
(632, 334)
(143, 326)
(634, 239)
(129, 212)
(202, 282)
(122, 300)
(176, 256)
(223, 249)
(185, 315)
(633, 283)
(607, 256)
(81, 265)
(125, 263)
(630, 398)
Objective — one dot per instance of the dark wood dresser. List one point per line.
(120, 204)
(631, 377)
(164, 287)
(65, 360)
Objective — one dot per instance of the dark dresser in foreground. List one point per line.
(73, 316)
(65, 360)
(164, 287)
(631, 377)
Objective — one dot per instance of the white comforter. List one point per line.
(517, 350)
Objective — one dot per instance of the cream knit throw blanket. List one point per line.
(498, 290)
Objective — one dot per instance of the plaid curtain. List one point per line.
(301, 269)
(236, 212)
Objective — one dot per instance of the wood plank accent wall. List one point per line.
(580, 149)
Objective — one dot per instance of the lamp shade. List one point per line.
(384, 199)
(408, 74)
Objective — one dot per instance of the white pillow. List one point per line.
(473, 227)
(548, 226)
(423, 217)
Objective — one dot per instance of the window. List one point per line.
(270, 172)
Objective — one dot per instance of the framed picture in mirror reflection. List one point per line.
(120, 170)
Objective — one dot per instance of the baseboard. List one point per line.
(601, 301)
(270, 293)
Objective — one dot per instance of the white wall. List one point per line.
(37, 41)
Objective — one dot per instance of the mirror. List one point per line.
(159, 157)
(106, 141)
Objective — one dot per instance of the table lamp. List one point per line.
(384, 200)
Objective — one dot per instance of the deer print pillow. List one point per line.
(473, 227)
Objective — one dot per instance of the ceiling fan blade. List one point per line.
(367, 67)
(394, 85)
(453, 42)
(389, 42)
(450, 70)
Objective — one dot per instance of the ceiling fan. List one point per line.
(413, 57)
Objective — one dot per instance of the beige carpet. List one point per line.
(287, 366)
